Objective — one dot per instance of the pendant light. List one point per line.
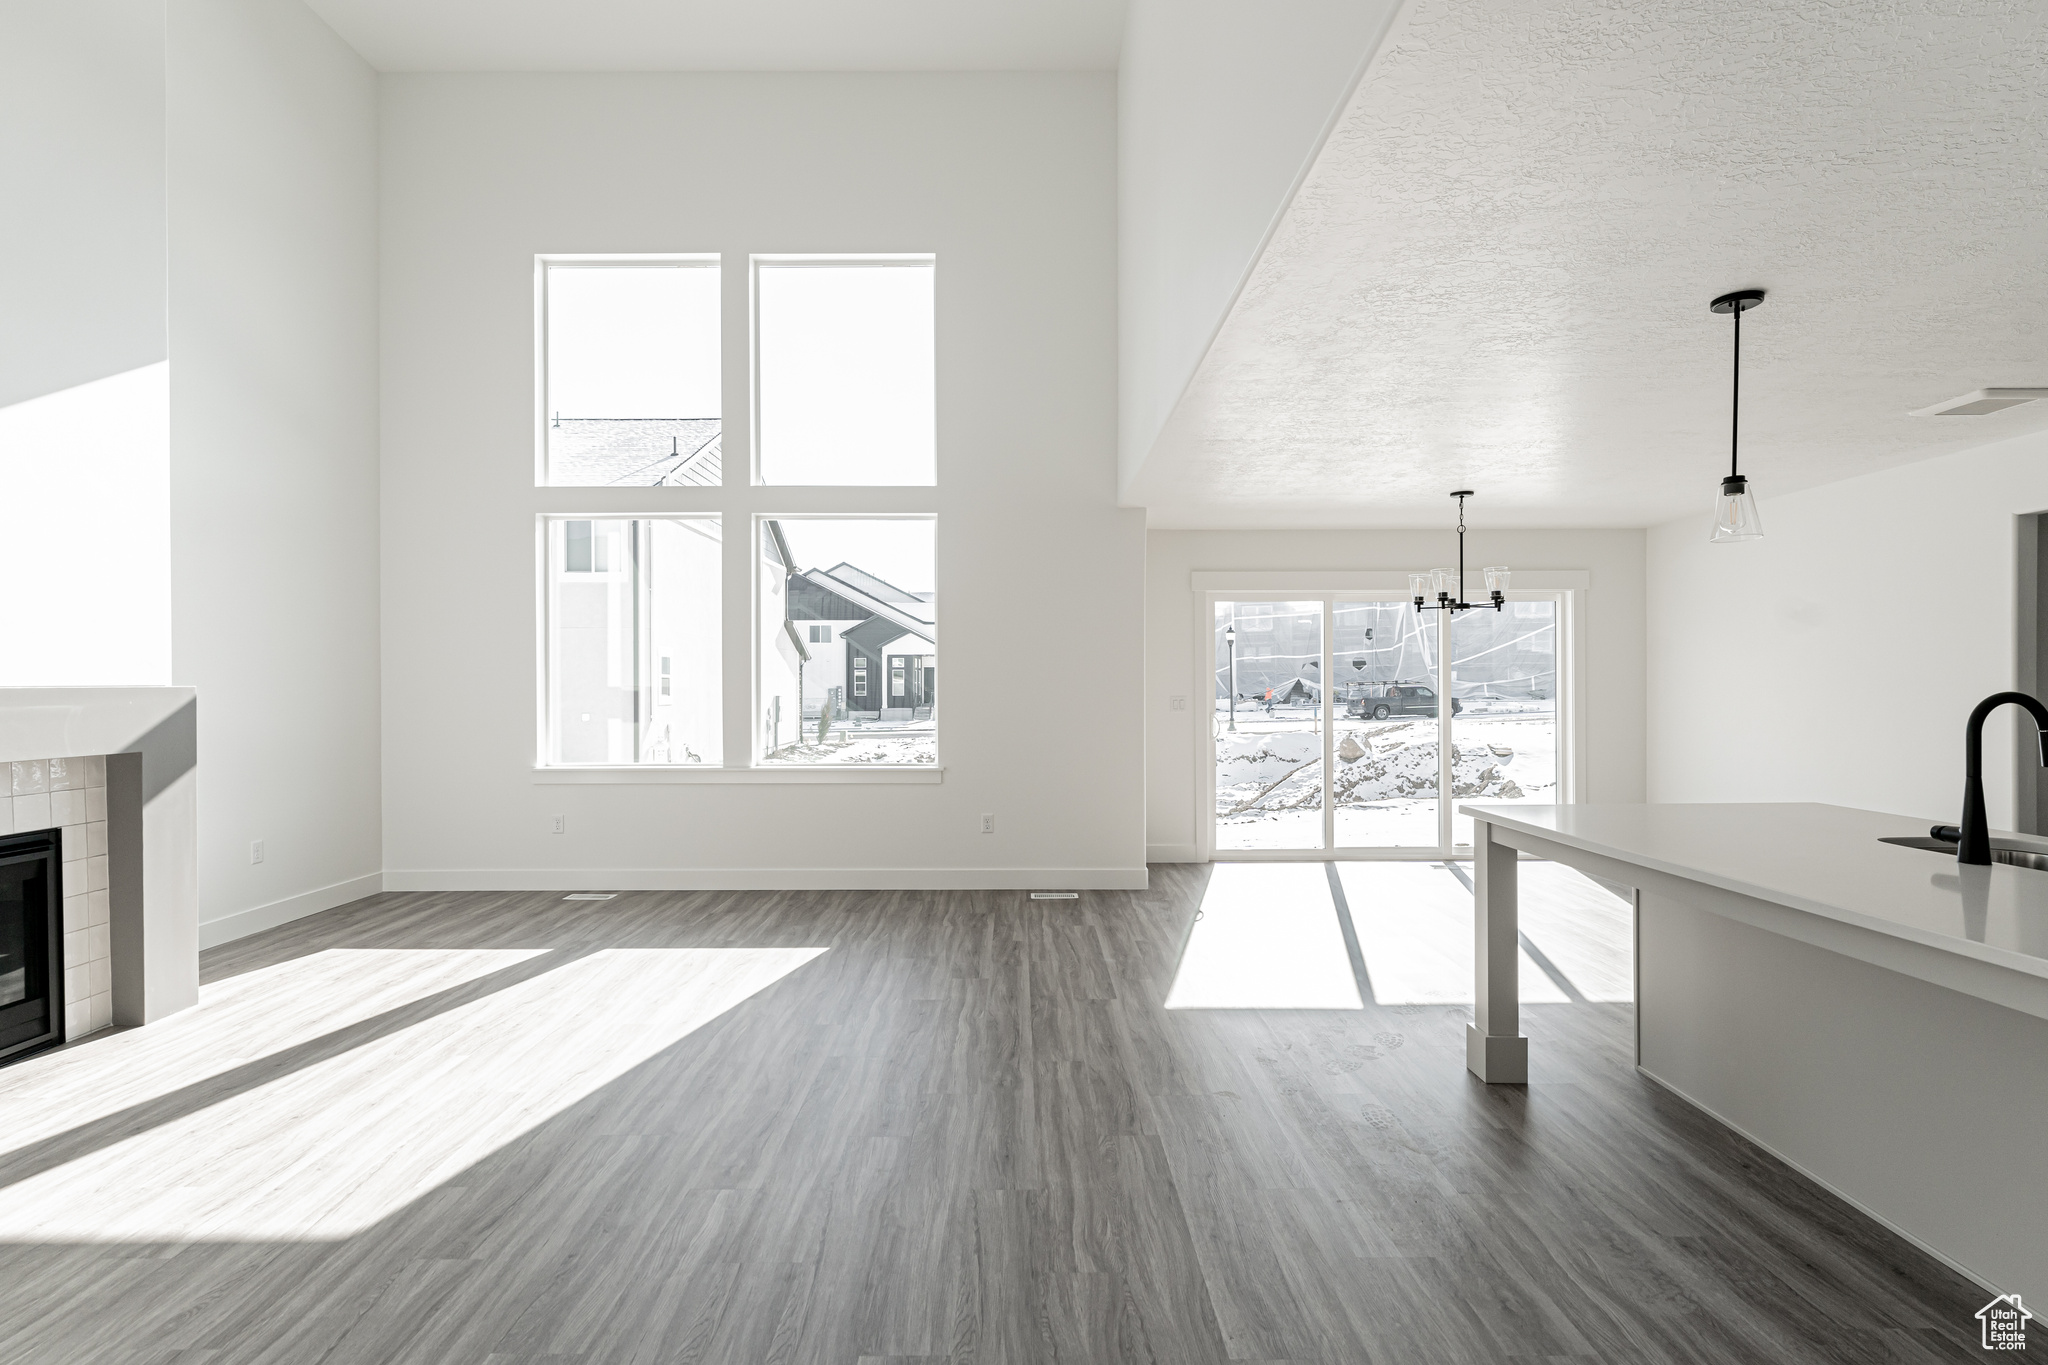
(1735, 516)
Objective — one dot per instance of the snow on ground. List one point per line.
(1269, 780)
(1269, 784)
(873, 742)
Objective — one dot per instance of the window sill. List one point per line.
(693, 774)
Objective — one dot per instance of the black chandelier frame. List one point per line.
(1444, 601)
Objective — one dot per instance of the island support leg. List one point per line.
(1495, 1050)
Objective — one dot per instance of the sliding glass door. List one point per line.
(1340, 723)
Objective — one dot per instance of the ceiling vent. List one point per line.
(1978, 402)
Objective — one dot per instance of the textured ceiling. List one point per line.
(729, 35)
(1497, 272)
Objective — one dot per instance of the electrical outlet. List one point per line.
(561, 824)
(988, 824)
(1176, 703)
(256, 851)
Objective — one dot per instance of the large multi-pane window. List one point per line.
(838, 590)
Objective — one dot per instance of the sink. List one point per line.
(2001, 852)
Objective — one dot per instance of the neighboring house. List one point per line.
(887, 640)
(637, 452)
(1275, 646)
(632, 683)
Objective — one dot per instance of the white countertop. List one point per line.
(1823, 860)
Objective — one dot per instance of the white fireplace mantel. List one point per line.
(150, 739)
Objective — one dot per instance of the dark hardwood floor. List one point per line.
(501, 1128)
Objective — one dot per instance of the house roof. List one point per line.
(637, 452)
(895, 613)
(917, 604)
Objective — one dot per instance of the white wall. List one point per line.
(1221, 106)
(84, 559)
(1786, 669)
(82, 162)
(1610, 641)
(273, 289)
(1010, 179)
(85, 591)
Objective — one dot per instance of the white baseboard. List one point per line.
(766, 879)
(1173, 853)
(243, 923)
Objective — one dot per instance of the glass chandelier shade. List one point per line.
(1735, 514)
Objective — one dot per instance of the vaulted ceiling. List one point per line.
(1497, 271)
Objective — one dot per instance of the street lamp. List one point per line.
(1230, 639)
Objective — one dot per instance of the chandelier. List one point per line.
(1449, 585)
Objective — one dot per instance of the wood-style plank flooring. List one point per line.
(866, 1127)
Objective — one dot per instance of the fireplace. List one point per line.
(31, 943)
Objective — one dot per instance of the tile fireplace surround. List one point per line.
(115, 769)
(70, 794)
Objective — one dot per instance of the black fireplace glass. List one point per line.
(31, 942)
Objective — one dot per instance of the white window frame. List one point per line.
(740, 502)
(1565, 587)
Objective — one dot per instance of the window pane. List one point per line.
(862, 685)
(632, 366)
(847, 393)
(1384, 656)
(1269, 731)
(1504, 675)
(633, 654)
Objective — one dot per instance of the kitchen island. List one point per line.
(1874, 1015)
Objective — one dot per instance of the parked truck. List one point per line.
(1383, 700)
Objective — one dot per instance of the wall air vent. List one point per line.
(1978, 402)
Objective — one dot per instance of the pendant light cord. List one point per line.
(1735, 399)
(1461, 549)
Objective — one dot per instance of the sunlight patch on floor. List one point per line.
(238, 1020)
(1267, 938)
(1414, 925)
(1586, 931)
(325, 1151)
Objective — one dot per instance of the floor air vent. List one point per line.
(590, 895)
(1055, 895)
